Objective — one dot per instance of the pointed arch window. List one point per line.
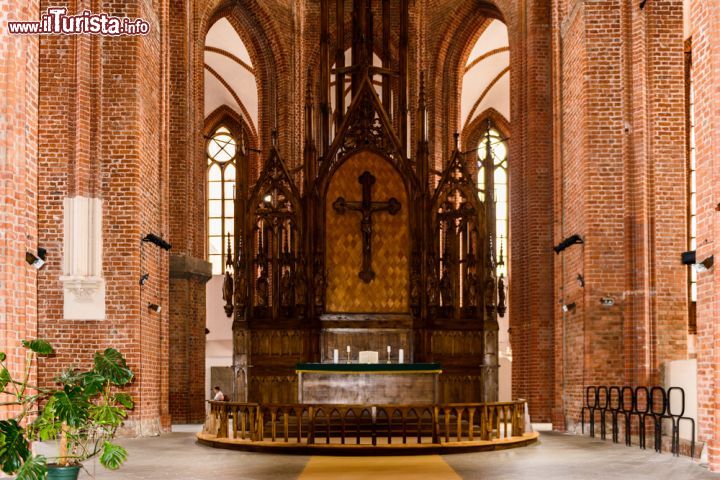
(499, 152)
(222, 152)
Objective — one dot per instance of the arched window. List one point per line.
(222, 151)
(499, 151)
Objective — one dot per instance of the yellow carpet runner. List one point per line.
(378, 468)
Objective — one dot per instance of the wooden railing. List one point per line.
(313, 424)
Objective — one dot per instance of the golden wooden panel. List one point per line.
(346, 292)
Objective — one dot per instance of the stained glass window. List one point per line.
(222, 152)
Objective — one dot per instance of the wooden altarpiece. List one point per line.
(371, 253)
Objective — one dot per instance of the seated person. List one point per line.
(219, 395)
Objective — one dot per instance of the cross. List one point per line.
(366, 207)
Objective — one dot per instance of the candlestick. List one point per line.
(348, 354)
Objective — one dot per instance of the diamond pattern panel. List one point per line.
(388, 291)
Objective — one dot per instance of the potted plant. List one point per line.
(82, 414)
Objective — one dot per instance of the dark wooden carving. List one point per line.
(366, 207)
(280, 277)
(457, 227)
(228, 282)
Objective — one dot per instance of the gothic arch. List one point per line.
(474, 130)
(265, 47)
(224, 115)
(467, 22)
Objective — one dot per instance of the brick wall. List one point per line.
(102, 109)
(18, 191)
(706, 77)
(619, 128)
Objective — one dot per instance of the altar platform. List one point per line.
(335, 429)
(368, 383)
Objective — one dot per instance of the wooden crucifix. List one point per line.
(366, 207)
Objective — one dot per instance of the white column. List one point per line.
(83, 285)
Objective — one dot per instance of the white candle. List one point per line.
(388, 349)
(336, 356)
(401, 355)
(348, 348)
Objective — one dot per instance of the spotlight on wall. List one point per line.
(36, 261)
(569, 307)
(705, 265)
(144, 279)
(581, 280)
(567, 243)
(154, 307)
(207, 330)
(154, 239)
(688, 258)
(607, 302)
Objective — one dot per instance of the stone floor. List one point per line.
(555, 456)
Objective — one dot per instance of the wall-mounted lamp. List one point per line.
(688, 258)
(207, 330)
(156, 240)
(581, 280)
(607, 302)
(569, 307)
(567, 243)
(144, 279)
(706, 264)
(36, 261)
(154, 307)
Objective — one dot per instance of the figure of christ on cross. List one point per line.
(366, 207)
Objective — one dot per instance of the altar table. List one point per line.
(378, 384)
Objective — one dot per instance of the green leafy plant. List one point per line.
(82, 414)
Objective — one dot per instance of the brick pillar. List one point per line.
(531, 198)
(103, 110)
(187, 338)
(705, 20)
(620, 131)
(18, 183)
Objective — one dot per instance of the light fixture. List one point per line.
(688, 258)
(581, 280)
(36, 261)
(154, 307)
(705, 265)
(156, 240)
(607, 302)
(144, 279)
(569, 307)
(575, 239)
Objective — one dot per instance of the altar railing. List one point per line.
(315, 424)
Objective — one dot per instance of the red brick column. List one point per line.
(103, 111)
(706, 76)
(619, 133)
(531, 215)
(18, 183)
